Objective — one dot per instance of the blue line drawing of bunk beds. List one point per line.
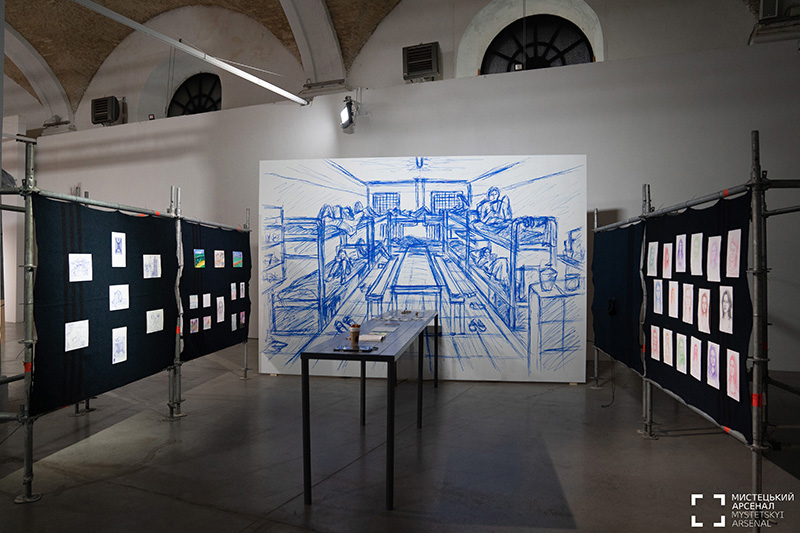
(497, 259)
(329, 258)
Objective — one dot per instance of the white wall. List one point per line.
(681, 124)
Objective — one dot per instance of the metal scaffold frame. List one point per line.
(27, 190)
(758, 185)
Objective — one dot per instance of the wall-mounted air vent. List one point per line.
(421, 61)
(108, 111)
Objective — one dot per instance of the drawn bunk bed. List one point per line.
(325, 260)
(497, 258)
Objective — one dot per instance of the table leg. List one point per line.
(436, 352)
(363, 393)
(390, 386)
(420, 358)
(306, 434)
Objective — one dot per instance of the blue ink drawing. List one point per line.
(495, 244)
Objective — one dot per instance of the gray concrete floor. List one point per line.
(501, 457)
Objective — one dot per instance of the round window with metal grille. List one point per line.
(537, 41)
(199, 94)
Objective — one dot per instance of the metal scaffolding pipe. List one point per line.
(11, 379)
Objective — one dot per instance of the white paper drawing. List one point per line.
(233, 322)
(733, 374)
(76, 335)
(242, 286)
(712, 266)
(680, 352)
(80, 267)
(220, 309)
(733, 254)
(207, 299)
(118, 297)
(680, 253)
(194, 325)
(233, 291)
(703, 322)
(652, 259)
(207, 322)
(193, 301)
(658, 297)
(655, 342)
(696, 258)
(688, 303)
(695, 364)
(712, 373)
(219, 258)
(119, 345)
(726, 309)
(242, 317)
(667, 347)
(152, 266)
(667, 261)
(155, 320)
(118, 250)
(674, 308)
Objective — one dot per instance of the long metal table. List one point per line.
(410, 326)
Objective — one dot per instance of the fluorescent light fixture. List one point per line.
(347, 114)
(189, 50)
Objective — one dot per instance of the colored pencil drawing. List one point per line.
(495, 244)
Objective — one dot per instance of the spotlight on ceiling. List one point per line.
(348, 113)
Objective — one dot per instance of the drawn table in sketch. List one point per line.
(416, 276)
(410, 326)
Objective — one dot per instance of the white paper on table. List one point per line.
(76, 335)
(152, 266)
(118, 250)
(118, 297)
(119, 345)
(80, 267)
(155, 320)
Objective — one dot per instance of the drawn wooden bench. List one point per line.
(454, 292)
(378, 289)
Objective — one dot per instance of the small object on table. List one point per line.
(355, 330)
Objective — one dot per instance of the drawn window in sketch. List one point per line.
(383, 202)
(733, 374)
(448, 201)
(733, 251)
(80, 267)
(152, 266)
(118, 246)
(726, 309)
(712, 374)
(680, 352)
(119, 345)
(703, 322)
(680, 253)
(534, 42)
(714, 244)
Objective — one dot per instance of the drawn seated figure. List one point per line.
(494, 210)
(496, 267)
(342, 265)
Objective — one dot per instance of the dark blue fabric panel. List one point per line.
(618, 294)
(217, 283)
(60, 377)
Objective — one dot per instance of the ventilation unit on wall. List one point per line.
(778, 9)
(421, 61)
(108, 111)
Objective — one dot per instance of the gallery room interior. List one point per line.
(407, 265)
